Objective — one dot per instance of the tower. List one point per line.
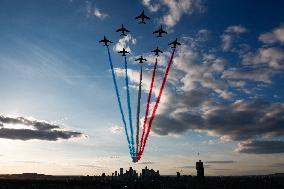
(121, 171)
(200, 169)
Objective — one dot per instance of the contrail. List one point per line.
(129, 111)
(138, 113)
(119, 101)
(147, 108)
(157, 102)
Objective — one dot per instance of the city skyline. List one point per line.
(223, 102)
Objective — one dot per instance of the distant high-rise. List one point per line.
(200, 169)
(178, 174)
(121, 171)
(115, 173)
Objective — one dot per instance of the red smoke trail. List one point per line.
(147, 108)
(156, 104)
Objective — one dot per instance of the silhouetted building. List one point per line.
(178, 174)
(121, 171)
(200, 169)
(150, 173)
(115, 173)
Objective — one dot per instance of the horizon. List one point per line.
(222, 103)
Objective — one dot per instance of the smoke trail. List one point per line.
(129, 111)
(147, 108)
(138, 113)
(157, 102)
(119, 101)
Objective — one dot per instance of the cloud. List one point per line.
(230, 34)
(92, 10)
(30, 162)
(116, 129)
(226, 41)
(124, 43)
(237, 29)
(258, 66)
(260, 75)
(271, 57)
(192, 166)
(239, 121)
(151, 6)
(199, 97)
(91, 166)
(221, 162)
(275, 36)
(33, 129)
(261, 147)
(146, 163)
(281, 165)
(175, 9)
(99, 14)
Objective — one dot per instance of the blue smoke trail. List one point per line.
(129, 108)
(119, 103)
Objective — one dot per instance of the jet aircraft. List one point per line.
(105, 41)
(157, 51)
(141, 59)
(160, 31)
(174, 44)
(122, 30)
(123, 52)
(142, 18)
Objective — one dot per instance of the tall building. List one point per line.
(200, 169)
(121, 171)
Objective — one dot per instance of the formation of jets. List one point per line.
(142, 17)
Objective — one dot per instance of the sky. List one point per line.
(223, 101)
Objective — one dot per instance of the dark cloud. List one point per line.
(238, 121)
(220, 162)
(281, 165)
(39, 125)
(192, 166)
(261, 147)
(36, 130)
(91, 166)
(147, 163)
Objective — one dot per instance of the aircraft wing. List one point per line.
(157, 31)
(119, 30)
(164, 32)
(140, 16)
(146, 17)
(126, 30)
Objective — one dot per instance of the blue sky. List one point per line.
(223, 99)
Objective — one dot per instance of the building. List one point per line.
(150, 173)
(200, 169)
(121, 171)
